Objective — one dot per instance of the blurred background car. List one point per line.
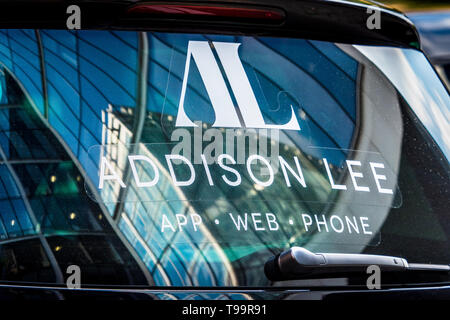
(432, 20)
(434, 29)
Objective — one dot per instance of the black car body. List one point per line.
(343, 129)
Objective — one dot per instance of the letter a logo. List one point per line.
(226, 115)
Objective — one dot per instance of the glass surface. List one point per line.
(158, 159)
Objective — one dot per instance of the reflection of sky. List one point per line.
(417, 82)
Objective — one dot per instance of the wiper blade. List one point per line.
(300, 263)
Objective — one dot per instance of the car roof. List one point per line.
(342, 21)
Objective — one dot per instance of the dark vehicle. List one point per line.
(211, 150)
(434, 29)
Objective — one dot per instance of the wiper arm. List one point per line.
(300, 263)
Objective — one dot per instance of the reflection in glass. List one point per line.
(50, 203)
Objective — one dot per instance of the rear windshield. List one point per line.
(163, 159)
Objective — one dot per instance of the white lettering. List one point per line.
(139, 183)
(379, 177)
(307, 224)
(330, 177)
(298, 176)
(220, 160)
(354, 175)
(196, 220)
(188, 182)
(364, 225)
(272, 222)
(269, 167)
(113, 176)
(338, 230)
(323, 222)
(225, 113)
(166, 224)
(239, 222)
(257, 221)
(354, 225)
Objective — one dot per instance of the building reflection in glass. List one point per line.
(93, 98)
(47, 222)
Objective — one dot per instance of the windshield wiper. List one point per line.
(300, 263)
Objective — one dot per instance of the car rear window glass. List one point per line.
(172, 159)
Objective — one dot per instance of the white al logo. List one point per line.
(216, 88)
